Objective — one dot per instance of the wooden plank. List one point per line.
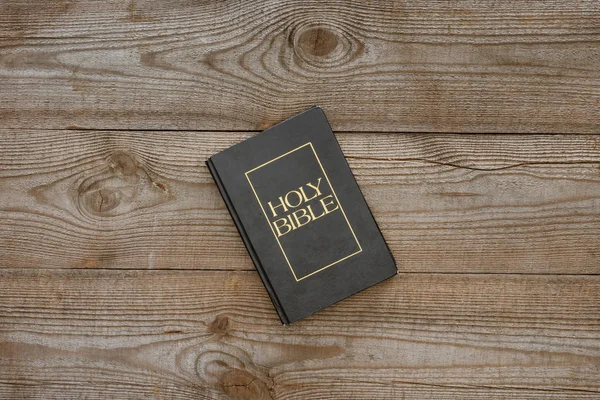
(185, 334)
(463, 66)
(445, 203)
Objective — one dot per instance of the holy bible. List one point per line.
(301, 215)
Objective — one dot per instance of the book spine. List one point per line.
(240, 227)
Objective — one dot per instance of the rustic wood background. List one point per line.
(472, 127)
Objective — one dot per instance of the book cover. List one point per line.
(301, 215)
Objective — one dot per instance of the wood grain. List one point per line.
(214, 335)
(462, 66)
(122, 275)
(445, 203)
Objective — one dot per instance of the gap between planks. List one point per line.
(364, 132)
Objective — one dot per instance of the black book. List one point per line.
(301, 215)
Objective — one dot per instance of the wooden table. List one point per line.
(472, 128)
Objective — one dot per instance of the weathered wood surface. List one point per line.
(214, 335)
(122, 275)
(463, 66)
(446, 203)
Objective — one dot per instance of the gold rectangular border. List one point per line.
(332, 191)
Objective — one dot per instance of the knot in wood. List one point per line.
(121, 186)
(324, 45)
(239, 384)
(101, 200)
(220, 325)
(317, 41)
(230, 369)
(122, 164)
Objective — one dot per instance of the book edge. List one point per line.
(393, 260)
(394, 273)
(359, 189)
(251, 138)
